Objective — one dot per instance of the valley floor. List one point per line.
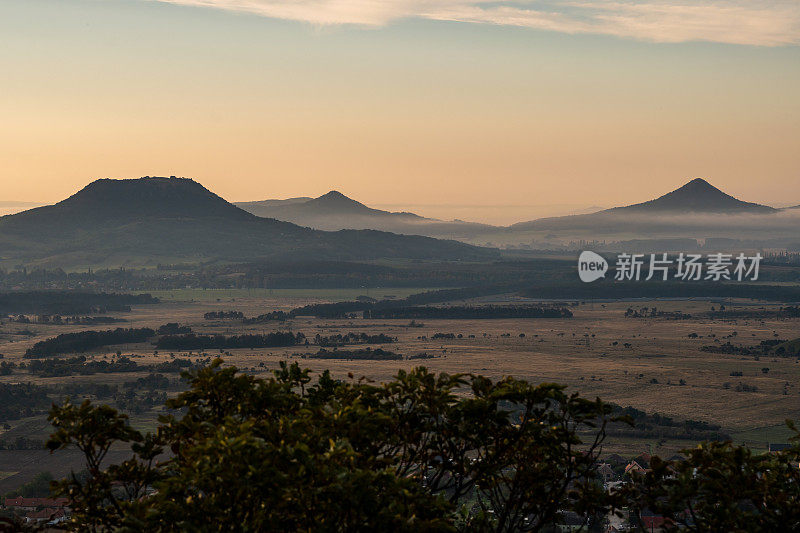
(653, 364)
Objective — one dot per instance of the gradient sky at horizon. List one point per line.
(403, 102)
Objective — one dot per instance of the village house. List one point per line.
(31, 504)
(606, 473)
(635, 467)
(50, 515)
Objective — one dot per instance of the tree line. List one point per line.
(289, 274)
(353, 338)
(173, 328)
(223, 315)
(173, 337)
(366, 354)
(81, 366)
(83, 341)
(58, 320)
(483, 312)
(207, 342)
(777, 347)
(655, 425)
(69, 302)
(331, 310)
(273, 316)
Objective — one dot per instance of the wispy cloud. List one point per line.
(748, 22)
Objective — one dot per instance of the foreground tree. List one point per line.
(423, 452)
(722, 487)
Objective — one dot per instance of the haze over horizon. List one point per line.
(444, 103)
(698, 196)
(498, 215)
(501, 215)
(485, 213)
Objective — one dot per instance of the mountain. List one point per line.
(154, 219)
(316, 210)
(335, 211)
(697, 211)
(697, 196)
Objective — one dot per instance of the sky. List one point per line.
(509, 107)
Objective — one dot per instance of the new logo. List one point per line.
(591, 266)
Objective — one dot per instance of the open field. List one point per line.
(28, 463)
(651, 364)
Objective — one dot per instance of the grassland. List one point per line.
(653, 364)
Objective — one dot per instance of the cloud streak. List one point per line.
(745, 22)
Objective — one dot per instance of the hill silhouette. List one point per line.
(336, 201)
(697, 196)
(696, 210)
(335, 211)
(107, 200)
(331, 203)
(682, 208)
(155, 219)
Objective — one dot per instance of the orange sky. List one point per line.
(405, 112)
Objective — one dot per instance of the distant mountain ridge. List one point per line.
(154, 219)
(334, 211)
(696, 210)
(141, 221)
(332, 202)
